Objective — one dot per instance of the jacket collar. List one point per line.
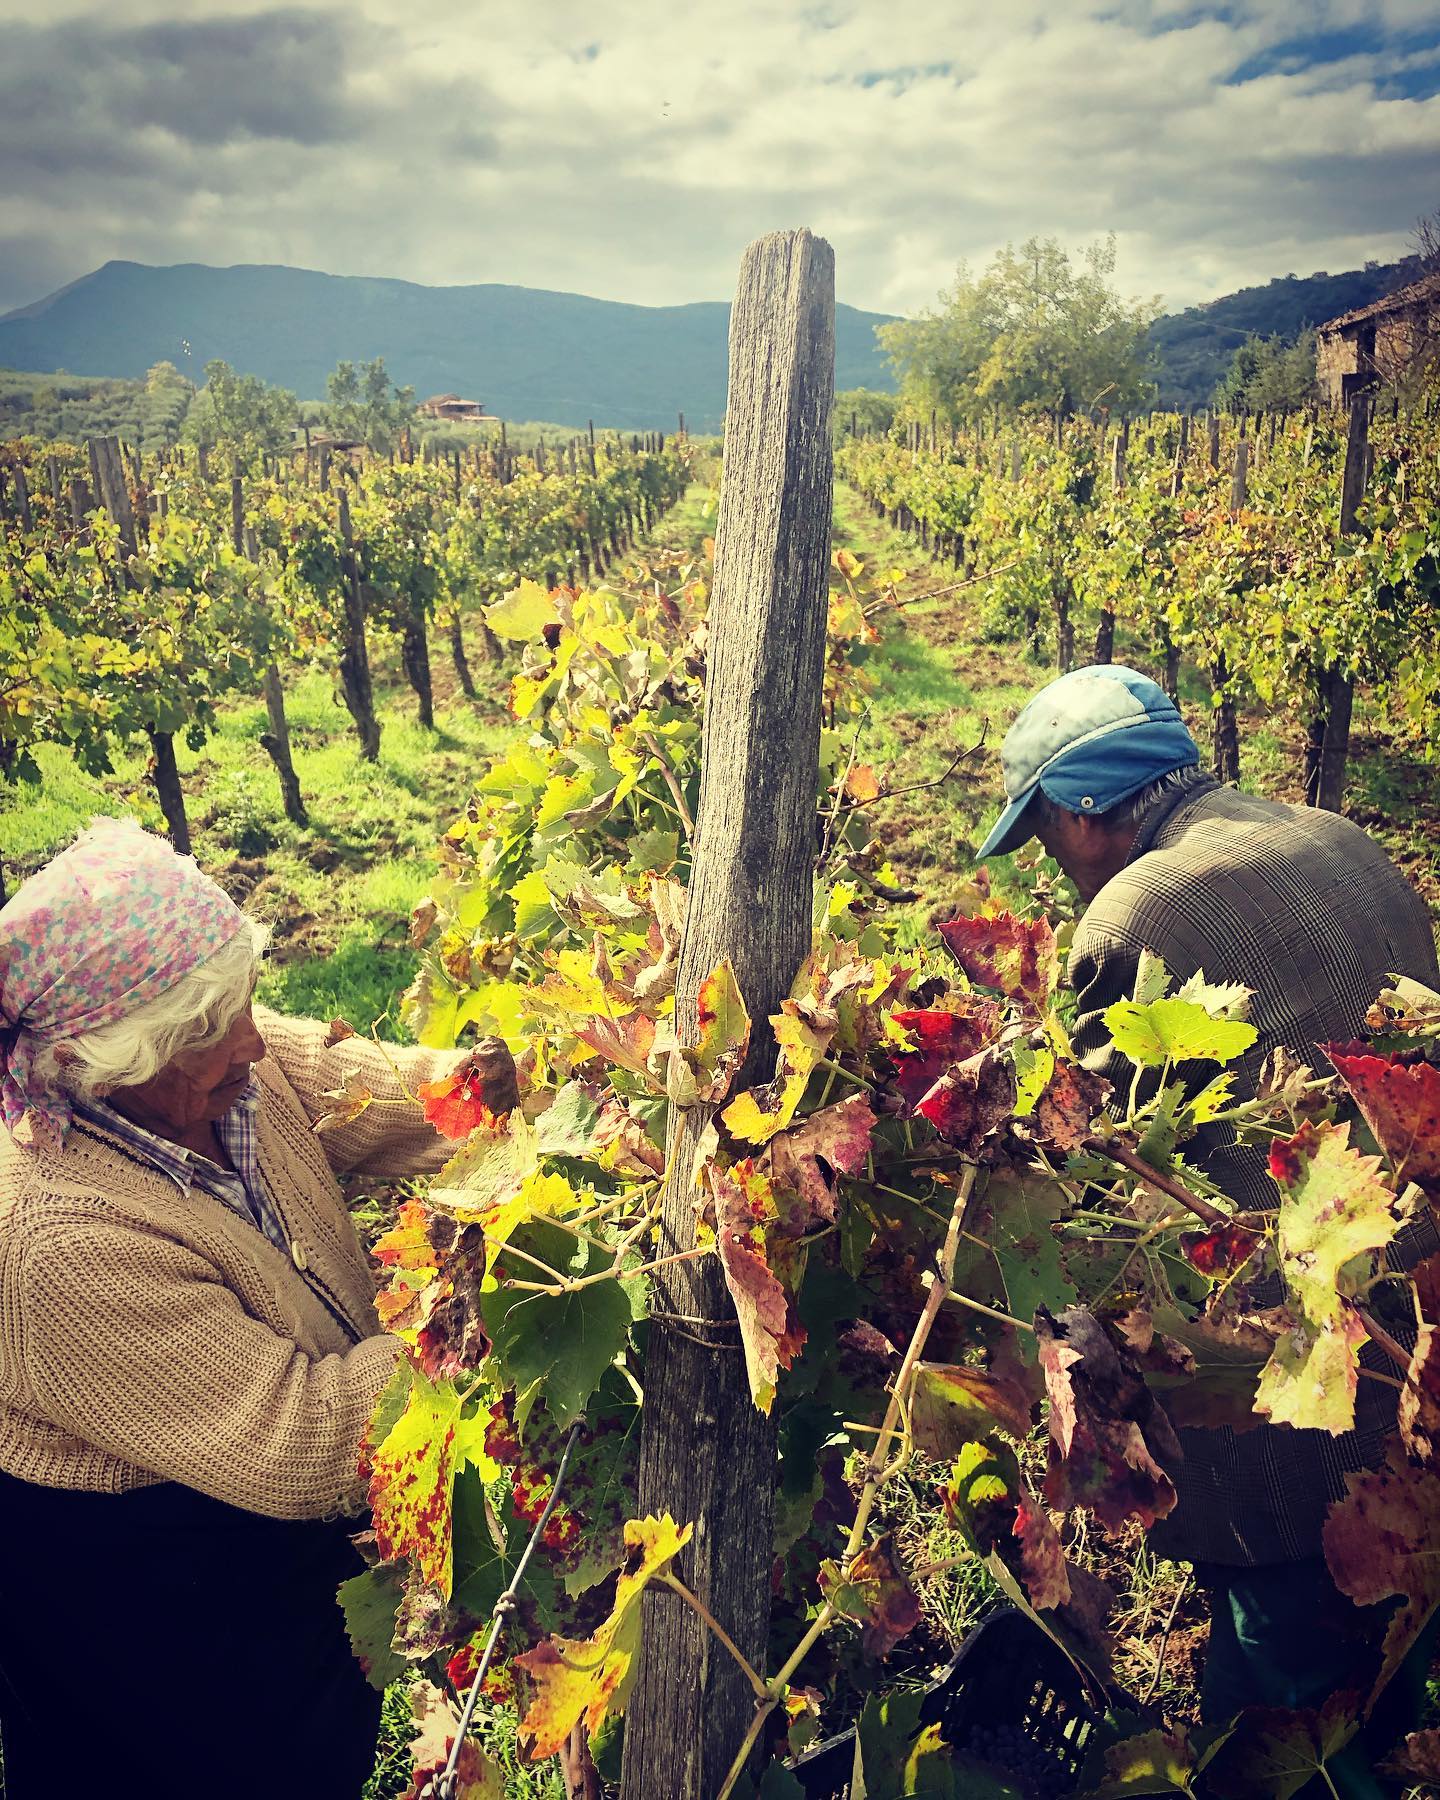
(1160, 815)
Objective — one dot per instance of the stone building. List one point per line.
(1378, 343)
(453, 409)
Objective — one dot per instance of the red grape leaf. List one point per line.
(1000, 951)
(1042, 1555)
(590, 1679)
(1401, 1104)
(970, 1106)
(1109, 1436)
(477, 1777)
(412, 1474)
(1420, 1402)
(627, 1041)
(835, 1139)
(875, 1593)
(1062, 1114)
(942, 1038)
(1220, 1251)
(769, 1333)
(1276, 1751)
(1418, 1757)
(442, 1318)
(950, 1404)
(1335, 1210)
(455, 1104)
(1383, 1538)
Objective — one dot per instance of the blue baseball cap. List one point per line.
(1088, 742)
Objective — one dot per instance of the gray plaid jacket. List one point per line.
(1302, 907)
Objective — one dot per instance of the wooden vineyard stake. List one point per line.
(1337, 685)
(707, 1455)
(275, 741)
(1105, 631)
(354, 657)
(108, 470)
(1225, 727)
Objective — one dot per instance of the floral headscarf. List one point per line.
(106, 926)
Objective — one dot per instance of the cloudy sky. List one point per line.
(630, 148)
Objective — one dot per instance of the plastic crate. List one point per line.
(1006, 1675)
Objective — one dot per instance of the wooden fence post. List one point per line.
(707, 1455)
(354, 657)
(110, 483)
(1337, 684)
(1105, 631)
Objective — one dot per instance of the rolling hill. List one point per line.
(1193, 348)
(525, 352)
(529, 353)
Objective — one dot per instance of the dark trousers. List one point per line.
(1284, 1635)
(176, 1647)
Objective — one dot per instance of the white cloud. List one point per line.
(630, 149)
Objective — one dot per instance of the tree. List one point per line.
(242, 409)
(364, 403)
(1269, 375)
(872, 410)
(1033, 331)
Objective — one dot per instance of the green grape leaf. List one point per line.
(369, 1601)
(559, 1344)
(951, 1403)
(1023, 1212)
(1174, 1030)
(523, 614)
(1336, 1212)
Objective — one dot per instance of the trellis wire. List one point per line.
(443, 1786)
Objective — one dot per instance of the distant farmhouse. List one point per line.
(1378, 343)
(453, 409)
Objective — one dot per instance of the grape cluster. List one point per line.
(1038, 1772)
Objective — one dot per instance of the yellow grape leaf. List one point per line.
(758, 1113)
(413, 1472)
(862, 783)
(347, 1102)
(724, 1034)
(589, 1678)
(523, 613)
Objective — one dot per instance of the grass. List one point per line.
(338, 894)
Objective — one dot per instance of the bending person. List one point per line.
(1304, 909)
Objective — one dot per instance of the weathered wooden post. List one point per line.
(1337, 684)
(706, 1454)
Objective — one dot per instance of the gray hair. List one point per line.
(1132, 811)
(193, 1013)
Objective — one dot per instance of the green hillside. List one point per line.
(525, 352)
(1193, 348)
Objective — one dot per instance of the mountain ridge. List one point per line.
(533, 353)
(540, 353)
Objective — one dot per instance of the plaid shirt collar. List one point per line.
(243, 1191)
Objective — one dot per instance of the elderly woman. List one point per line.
(189, 1351)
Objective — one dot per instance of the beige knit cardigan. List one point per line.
(152, 1335)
